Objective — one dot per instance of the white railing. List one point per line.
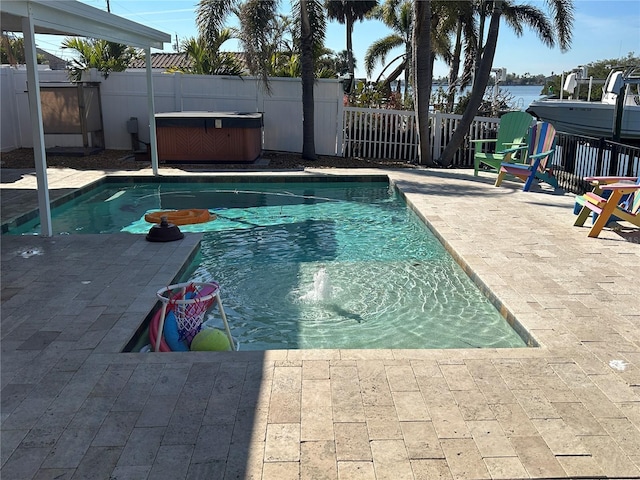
(393, 134)
(377, 133)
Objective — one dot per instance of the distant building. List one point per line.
(45, 59)
(54, 62)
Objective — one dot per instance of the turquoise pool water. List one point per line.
(312, 265)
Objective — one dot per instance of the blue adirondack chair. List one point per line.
(540, 148)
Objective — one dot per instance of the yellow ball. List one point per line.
(210, 340)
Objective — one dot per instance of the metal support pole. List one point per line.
(153, 141)
(37, 129)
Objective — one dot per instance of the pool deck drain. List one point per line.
(74, 407)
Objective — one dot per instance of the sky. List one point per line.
(603, 29)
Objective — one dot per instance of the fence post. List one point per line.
(613, 164)
(340, 123)
(436, 137)
(177, 91)
(600, 158)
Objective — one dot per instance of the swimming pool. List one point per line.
(312, 264)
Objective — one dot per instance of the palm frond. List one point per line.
(518, 15)
(378, 50)
(255, 19)
(211, 15)
(563, 19)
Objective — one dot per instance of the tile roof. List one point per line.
(163, 60)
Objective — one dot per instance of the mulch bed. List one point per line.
(22, 158)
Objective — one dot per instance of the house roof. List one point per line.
(163, 60)
(177, 60)
(54, 62)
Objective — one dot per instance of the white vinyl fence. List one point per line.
(124, 95)
(339, 130)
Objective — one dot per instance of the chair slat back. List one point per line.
(541, 139)
(635, 204)
(513, 129)
(631, 201)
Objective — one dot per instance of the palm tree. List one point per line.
(397, 15)
(459, 23)
(102, 55)
(308, 17)
(340, 62)
(284, 61)
(347, 12)
(329, 64)
(255, 17)
(11, 49)
(206, 57)
(516, 16)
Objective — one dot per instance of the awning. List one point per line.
(72, 18)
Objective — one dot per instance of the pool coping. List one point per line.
(486, 291)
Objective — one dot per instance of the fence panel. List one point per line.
(580, 156)
(378, 133)
(9, 121)
(393, 134)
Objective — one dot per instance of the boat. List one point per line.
(595, 118)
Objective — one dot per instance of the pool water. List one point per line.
(312, 265)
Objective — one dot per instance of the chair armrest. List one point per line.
(514, 149)
(484, 140)
(542, 154)
(625, 187)
(603, 180)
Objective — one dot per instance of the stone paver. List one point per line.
(73, 406)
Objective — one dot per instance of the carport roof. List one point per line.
(69, 17)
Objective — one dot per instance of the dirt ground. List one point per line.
(125, 160)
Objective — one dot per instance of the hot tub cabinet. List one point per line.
(208, 136)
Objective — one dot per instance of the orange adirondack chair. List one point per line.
(623, 202)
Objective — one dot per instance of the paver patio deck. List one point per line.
(74, 407)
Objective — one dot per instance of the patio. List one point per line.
(74, 407)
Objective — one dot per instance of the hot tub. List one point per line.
(209, 136)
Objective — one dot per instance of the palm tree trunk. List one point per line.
(350, 64)
(455, 67)
(479, 49)
(306, 66)
(407, 72)
(479, 85)
(422, 75)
